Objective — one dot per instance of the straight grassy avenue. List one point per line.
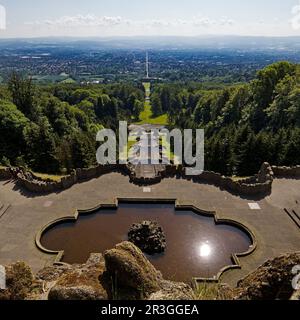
(146, 116)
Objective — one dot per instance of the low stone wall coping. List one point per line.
(259, 184)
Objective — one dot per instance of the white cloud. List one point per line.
(95, 25)
(79, 20)
(204, 22)
(227, 22)
(91, 20)
(208, 22)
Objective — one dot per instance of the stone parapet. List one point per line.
(259, 184)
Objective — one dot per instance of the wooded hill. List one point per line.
(245, 124)
(52, 129)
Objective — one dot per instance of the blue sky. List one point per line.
(31, 18)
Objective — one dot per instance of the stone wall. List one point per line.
(259, 184)
(289, 172)
(256, 185)
(39, 186)
(4, 174)
(35, 184)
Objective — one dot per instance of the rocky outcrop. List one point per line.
(173, 291)
(81, 282)
(69, 289)
(148, 236)
(53, 273)
(125, 273)
(296, 296)
(271, 281)
(129, 268)
(19, 281)
(136, 276)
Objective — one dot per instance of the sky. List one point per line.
(106, 18)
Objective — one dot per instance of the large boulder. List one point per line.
(296, 296)
(19, 281)
(173, 291)
(148, 236)
(271, 281)
(78, 289)
(80, 282)
(123, 273)
(128, 268)
(53, 273)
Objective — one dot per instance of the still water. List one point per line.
(196, 246)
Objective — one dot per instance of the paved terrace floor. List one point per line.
(275, 232)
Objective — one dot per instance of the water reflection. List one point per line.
(205, 250)
(196, 246)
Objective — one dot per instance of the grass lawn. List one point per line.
(235, 178)
(52, 177)
(147, 86)
(146, 117)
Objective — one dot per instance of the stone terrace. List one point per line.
(27, 213)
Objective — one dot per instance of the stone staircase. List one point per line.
(294, 214)
(148, 170)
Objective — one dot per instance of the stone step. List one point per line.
(297, 213)
(294, 215)
(3, 209)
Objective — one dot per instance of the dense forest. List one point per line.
(246, 124)
(52, 129)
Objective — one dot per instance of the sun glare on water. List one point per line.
(205, 250)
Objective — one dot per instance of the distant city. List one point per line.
(94, 61)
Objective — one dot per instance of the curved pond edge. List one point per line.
(179, 207)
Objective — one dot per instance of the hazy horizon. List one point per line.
(114, 18)
(201, 36)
